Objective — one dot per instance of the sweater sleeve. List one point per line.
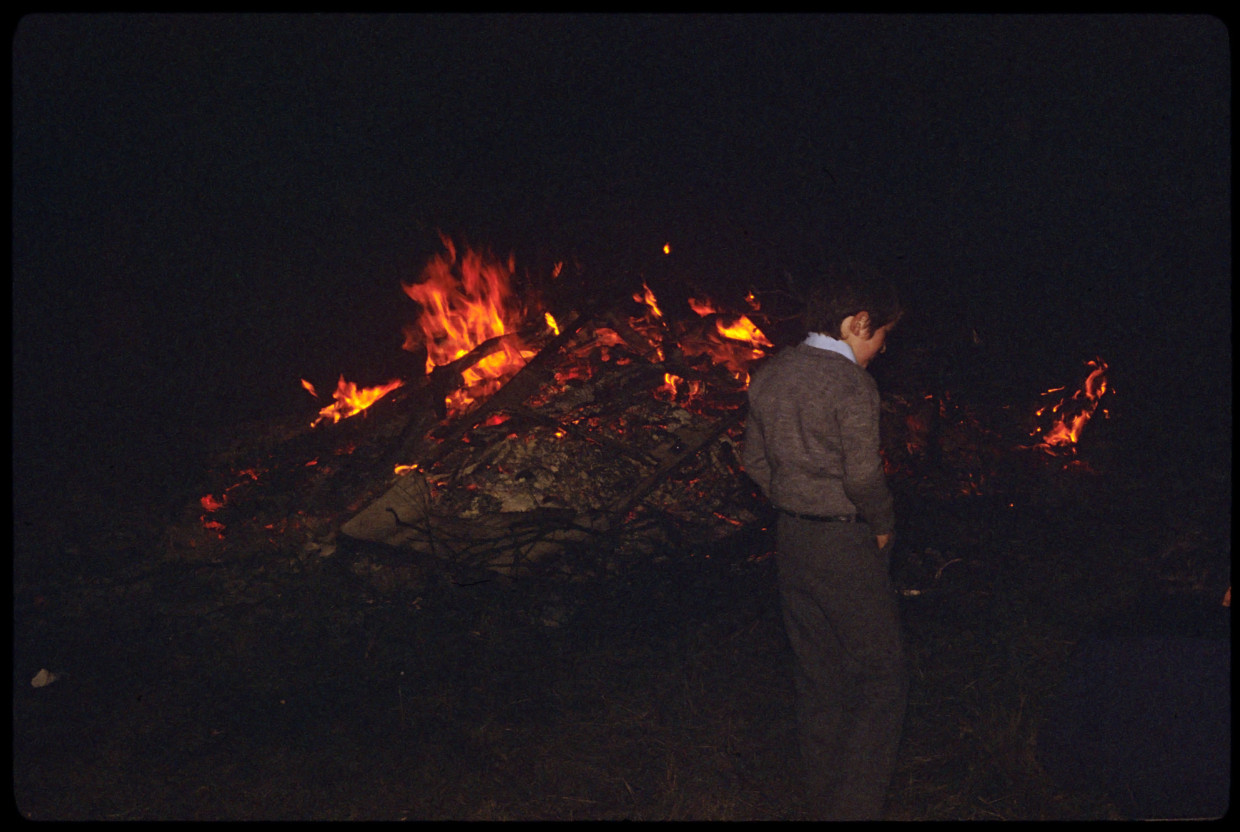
(865, 484)
(753, 453)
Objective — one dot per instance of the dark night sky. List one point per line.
(206, 209)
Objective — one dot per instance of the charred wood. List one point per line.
(520, 387)
(693, 442)
(595, 437)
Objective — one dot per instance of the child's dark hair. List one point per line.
(845, 290)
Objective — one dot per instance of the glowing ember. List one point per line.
(1074, 412)
(351, 400)
(210, 504)
(702, 307)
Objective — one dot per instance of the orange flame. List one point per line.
(668, 388)
(737, 328)
(467, 298)
(735, 344)
(647, 297)
(350, 400)
(465, 302)
(743, 329)
(1066, 431)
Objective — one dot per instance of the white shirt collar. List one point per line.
(826, 342)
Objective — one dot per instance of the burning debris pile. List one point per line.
(531, 434)
(527, 435)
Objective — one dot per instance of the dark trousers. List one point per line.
(851, 683)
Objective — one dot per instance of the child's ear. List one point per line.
(861, 323)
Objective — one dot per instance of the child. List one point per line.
(811, 444)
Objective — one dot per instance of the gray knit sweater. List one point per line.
(811, 438)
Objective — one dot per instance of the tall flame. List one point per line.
(465, 301)
(467, 298)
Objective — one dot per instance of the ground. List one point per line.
(281, 684)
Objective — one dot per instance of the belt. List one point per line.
(821, 518)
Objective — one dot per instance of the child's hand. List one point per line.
(883, 540)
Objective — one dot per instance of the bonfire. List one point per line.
(525, 436)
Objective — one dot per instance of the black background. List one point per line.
(208, 208)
